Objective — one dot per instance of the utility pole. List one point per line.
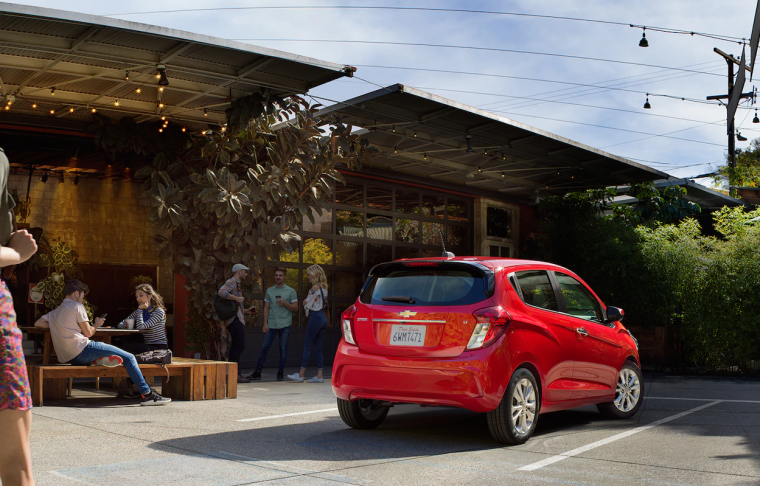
(731, 61)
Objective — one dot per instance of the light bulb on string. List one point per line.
(34, 106)
(161, 89)
(116, 103)
(71, 109)
(126, 78)
(184, 129)
(161, 106)
(205, 112)
(756, 119)
(94, 110)
(644, 42)
(138, 90)
(52, 112)
(646, 103)
(424, 156)
(52, 91)
(163, 117)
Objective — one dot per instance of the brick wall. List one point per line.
(105, 221)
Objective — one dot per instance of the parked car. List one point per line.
(510, 338)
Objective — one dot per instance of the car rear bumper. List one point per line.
(474, 380)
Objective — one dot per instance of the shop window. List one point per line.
(379, 227)
(380, 198)
(317, 250)
(433, 206)
(431, 253)
(349, 253)
(499, 222)
(456, 210)
(347, 284)
(321, 224)
(406, 252)
(500, 251)
(407, 230)
(456, 236)
(378, 254)
(350, 223)
(292, 257)
(407, 202)
(351, 194)
(432, 233)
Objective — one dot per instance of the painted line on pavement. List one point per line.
(61, 475)
(268, 417)
(701, 399)
(623, 435)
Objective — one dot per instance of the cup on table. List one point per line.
(130, 323)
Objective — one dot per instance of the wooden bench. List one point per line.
(191, 379)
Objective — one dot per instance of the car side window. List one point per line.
(580, 302)
(536, 289)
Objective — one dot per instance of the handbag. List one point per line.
(225, 308)
(161, 357)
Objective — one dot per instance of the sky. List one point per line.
(682, 138)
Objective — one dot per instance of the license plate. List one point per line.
(405, 335)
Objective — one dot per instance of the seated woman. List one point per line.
(151, 316)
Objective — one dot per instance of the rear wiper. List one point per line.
(406, 300)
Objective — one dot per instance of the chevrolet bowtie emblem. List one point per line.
(407, 313)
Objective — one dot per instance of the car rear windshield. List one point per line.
(426, 286)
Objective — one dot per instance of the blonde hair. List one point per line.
(155, 298)
(319, 275)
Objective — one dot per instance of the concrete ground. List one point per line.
(690, 431)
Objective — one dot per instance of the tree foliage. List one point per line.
(747, 171)
(231, 195)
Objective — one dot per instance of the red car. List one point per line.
(510, 338)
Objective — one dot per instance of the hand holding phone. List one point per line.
(104, 315)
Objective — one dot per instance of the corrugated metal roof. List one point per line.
(425, 135)
(86, 58)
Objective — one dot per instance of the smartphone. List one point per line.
(104, 315)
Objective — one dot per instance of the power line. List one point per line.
(476, 48)
(668, 30)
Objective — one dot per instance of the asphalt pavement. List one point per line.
(690, 431)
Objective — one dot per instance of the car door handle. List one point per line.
(582, 331)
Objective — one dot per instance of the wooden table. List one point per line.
(102, 334)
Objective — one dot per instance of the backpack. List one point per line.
(225, 308)
(162, 357)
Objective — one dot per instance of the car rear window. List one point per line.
(426, 286)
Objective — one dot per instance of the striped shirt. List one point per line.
(232, 287)
(155, 325)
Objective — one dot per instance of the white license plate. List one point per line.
(406, 335)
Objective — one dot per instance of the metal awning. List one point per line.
(708, 199)
(428, 136)
(54, 61)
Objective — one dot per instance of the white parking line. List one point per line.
(622, 435)
(268, 417)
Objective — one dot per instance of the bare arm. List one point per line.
(266, 314)
(42, 322)
(292, 306)
(20, 248)
(89, 330)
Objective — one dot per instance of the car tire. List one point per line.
(514, 420)
(629, 394)
(362, 414)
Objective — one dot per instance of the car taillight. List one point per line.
(490, 324)
(347, 323)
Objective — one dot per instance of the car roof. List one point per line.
(490, 261)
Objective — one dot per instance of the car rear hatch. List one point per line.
(421, 308)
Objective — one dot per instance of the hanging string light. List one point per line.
(116, 103)
(52, 111)
(646, 103)
(644, 42)
(52, 91)
(756, 119)
(184, 129)
(138, 90)
(34, 106)
(424, 156)
(71, 109)
(205, 112)
(126, 78)
(94, 110)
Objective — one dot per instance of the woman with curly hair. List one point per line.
(150, 316)
(15, 398)
(315, 305)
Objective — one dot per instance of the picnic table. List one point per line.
(103, 334)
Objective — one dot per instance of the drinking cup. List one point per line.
(130, 323)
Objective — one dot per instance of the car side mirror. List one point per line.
(614, 314)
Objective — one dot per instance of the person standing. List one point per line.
(15, 397)
(231, 290)
(315, 305)
(280, 301)
(150, 316)
(70, 331)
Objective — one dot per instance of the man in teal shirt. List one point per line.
(280, 302)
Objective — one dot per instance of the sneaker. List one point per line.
(154, 398)
(110, 361)
(295, 377)
(316, 379)
(256, 375)
(128, 393)
(280, 375)
(243, 380)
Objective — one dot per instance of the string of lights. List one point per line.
(666, 30)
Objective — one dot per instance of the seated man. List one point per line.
(70, 331)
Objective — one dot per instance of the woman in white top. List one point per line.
(315, 305)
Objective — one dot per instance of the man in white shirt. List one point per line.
(70, 331)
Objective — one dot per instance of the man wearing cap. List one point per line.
(236, 325)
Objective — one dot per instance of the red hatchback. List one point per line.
(510, 338)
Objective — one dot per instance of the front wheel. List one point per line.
(362, 414)
(514, 420)
(629, 394)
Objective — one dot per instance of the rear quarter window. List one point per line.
(427, 286)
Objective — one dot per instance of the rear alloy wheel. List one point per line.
(514, 420)
(362, 414)
(629, 394)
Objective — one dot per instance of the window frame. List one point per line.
(513, 276)
(563, 304)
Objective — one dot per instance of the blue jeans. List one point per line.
(315, 329)
(284, 334)
(96, 350)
